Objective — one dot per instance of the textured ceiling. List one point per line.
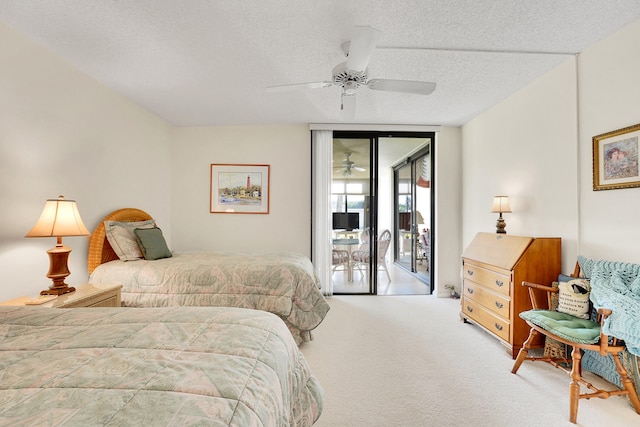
(208, 62)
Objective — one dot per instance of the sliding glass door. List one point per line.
(351, 215)
(365, 212)
(413, 209)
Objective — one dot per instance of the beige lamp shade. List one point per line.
(501, 204)
(59, 218)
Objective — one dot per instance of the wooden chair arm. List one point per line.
(541, 287)
(603, 314)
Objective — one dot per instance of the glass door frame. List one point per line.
(372, 216)
(412, 161)
(398, 221)
(374, 137)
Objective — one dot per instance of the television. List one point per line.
(346, 221)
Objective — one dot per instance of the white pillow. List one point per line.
(122, 239)
(573, 298)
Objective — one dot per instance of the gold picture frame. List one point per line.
(615, 159)
(239, 189)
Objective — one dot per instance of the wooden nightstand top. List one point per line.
(84, 296)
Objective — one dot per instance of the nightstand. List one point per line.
(84, 296)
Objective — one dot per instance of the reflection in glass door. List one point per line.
(412, 182)
(405, 217)
(351, 216)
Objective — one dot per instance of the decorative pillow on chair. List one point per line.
(152, 243)
(123, 241)
(573, 296)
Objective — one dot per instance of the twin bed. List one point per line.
(152, 366)
(203, 339)
(283, 283)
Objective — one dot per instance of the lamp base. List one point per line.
(53, 290)
(58, 270)
(500, 226)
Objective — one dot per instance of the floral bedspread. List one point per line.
(152, 366)
(283, 283)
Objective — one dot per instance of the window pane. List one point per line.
(354, 188)
(337, 203)
(355, 203)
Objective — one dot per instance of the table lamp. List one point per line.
(501, 205)
(60, 218)
(419, 219)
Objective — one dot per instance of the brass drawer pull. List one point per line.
(499, 304)
(470, 290)
(469, 309)
(498, 327)
(499, 283)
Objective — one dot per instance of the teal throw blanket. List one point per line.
(616, 285)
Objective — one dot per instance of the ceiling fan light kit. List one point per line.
(352, 74)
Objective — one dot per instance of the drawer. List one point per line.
(486, 319)
(493, 301)
(491, 279)
(107, 302)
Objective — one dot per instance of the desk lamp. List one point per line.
(501, 205)
(59, 218)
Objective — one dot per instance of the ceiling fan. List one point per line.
(348, 166)
(352, 74)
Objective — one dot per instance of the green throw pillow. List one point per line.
(152, 243)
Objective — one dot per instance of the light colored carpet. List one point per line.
(410, 361)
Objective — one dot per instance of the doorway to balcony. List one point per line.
(378, 215)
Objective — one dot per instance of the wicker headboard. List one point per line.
(100, 250)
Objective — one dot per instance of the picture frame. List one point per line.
(615, 159)
(239, 188)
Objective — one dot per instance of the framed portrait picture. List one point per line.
(615, 159)
(239, 189)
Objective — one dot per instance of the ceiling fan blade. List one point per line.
(361, 48)
(405, 86)
(298, 86)
(358, 168)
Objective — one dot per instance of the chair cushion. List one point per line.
(566, 326)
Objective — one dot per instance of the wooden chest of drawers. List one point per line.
(494, 267)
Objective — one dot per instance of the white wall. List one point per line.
(609, 100)
(287, 149)
(448, 180)
(525, 148)
(63, 133)
(536, 148)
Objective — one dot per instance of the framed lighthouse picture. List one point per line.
(239, 189)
